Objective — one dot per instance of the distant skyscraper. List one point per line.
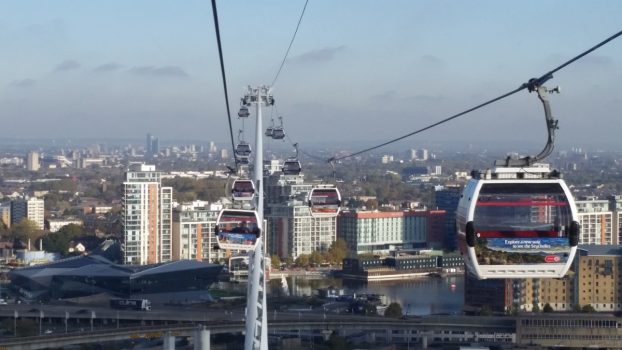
(147, 216)
(152, 146)
(32, 163)
(224, 154)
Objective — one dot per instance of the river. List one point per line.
(419, 296)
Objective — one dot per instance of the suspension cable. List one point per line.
(528, 85)
(224, 81)
(290, 44)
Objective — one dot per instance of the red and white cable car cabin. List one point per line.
(324, 201)
(237, 229)
(517, 223)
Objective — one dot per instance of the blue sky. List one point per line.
(358, 70)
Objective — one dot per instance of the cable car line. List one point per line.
(531, 85)
(290, 44)
(224, 80)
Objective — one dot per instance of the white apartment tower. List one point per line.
(193, 232)
(596, 219)
(147, 216)
(292, 230)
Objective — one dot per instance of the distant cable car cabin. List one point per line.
(269, 131)
(243, 190)
(243, 152)
(324, 202)
(278, 133)
(243, 113)
(291, 167)
(517, 223)
(237, 229)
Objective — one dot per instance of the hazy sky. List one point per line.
(358, 70)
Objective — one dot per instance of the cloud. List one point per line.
(24, 83)
(67, 65)
(108, 67)
(166, 71)
(322, 55)
(431, 61)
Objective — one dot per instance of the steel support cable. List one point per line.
(290, 44)
(531, 84)
(224, 80)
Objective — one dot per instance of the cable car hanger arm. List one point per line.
(551, 124)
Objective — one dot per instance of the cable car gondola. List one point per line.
(278, 133)
(243, 190)
(243, 113)
(237, 229)
(243, 152)
(519, 220)
(324, 202)
(517, 223)
(291, 167)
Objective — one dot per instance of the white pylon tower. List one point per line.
(256, 337)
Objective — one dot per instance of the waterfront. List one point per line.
(418, 296)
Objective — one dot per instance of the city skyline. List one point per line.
(104, 69)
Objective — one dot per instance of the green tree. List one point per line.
(394, 310)
(25, 230)
(588, 308)
(275, 261)
(58, 242)
(535, 307)
(547, 308)
(4, 230)
(289, 261)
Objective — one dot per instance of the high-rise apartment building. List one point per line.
(596, 219)
(291, 230)
(28, 208)
(193, 232)
(32, 163)
(147, 216)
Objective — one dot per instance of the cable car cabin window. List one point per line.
(522, 223)
(526, 210)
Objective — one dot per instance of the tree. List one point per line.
(535, 307)
(58, 242)
(275, 261)
(588, 308)
(394, 310)
(547, 308)
(338, 251)
(25, 230)
(316, 258)
(302, 260)
(289, 261)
